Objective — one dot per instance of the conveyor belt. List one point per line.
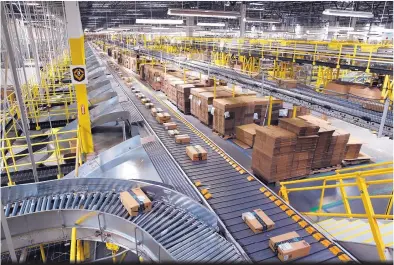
(175, 223)
(233, 194)
(342, 109)
(44, 173)
(46, 124)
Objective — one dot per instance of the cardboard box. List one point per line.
(298, 126)
(170, 125)
(154, 111)
(353, 148)
(145, 100)
(258, 221)
(182, 138)
(246, 133)
(149, 105)
(289, 246)
(196, 153)
(163, 117)
(172, 133)
(130, 203)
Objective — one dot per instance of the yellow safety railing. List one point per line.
(61, 143)
(351, 177)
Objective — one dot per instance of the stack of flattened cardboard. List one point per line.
(183, 97)
(338, 88)
(246, 133)
(353, 148)
(205, 104)
(337, 147)
(307, 138)
(273, 153)
(227, 115)
(298, 126)
(172, 91)
(195, 100)
(322, 155)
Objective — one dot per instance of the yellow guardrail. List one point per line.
(62, 142)
(357, 178)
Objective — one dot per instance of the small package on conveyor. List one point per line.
(135, 90)
(170, 125)
(196, 152)
(172, 133)
(135, 201)
(258, 221)
(163, 117)
(145, 100)
(154, 111)
(140, 95)
(149, 105)
(289, 246)
(182, 139)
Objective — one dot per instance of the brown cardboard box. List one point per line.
(289, 246)
(133, 206)
(170, 125)
(149, 105)
(182, 138)
(246, 133)
(205, 104)
(140, 95)
(163, 117)
(338, 89)
(172, 133)
(298, 126)
(196, 152)
(353, 148)
(287, 83)
(154, 111)
(258, 221)
(145, 100)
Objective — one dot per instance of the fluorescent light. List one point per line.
(256, 4)
(256, 9)
(334, 29)
(203, 13)
(347, 13)
(257, 20)
(32, 4)
(203, 24)
(159, 21)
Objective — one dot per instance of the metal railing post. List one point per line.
(371, 217)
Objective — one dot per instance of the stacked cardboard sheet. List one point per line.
(353, 148)
(273, 153)
(246, 133)
(205, 104)
(228, 113)
(337, 147)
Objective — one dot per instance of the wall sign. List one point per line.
(78, 74)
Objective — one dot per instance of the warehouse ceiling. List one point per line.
(102, 14)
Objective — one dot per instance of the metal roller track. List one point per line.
(341, 109)
(233, 194)
(176, 229)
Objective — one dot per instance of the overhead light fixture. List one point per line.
(256, 4)
(257, 20)
(347, 13)
(335, 29)
(32, 3)
(204, 24)
(203, 13)
(159, 21)
(255, 9)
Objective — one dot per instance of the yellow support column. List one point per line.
(78, 68)
(43, 256)
(73, 245)
(294, 111)
(377, 236)
(269, 111)
(214, 87)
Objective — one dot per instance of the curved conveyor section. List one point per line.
(176, 229)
